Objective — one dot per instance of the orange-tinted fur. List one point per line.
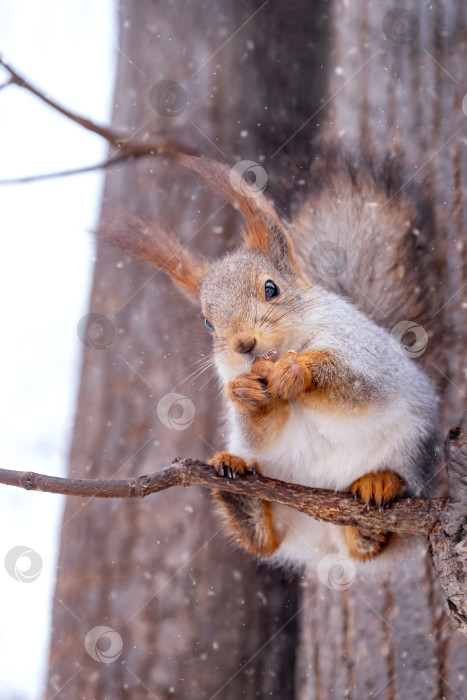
(364, 547)
(139, 238)
(254, 529)
(319, 380)
(379, 488)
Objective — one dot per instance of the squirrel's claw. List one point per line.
(248, 392)
(288, 377)
(231, 466)
(380, 488)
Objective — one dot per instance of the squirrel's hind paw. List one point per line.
(231, 466)
(379, 488)
(364, 547)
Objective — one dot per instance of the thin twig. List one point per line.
(128, 147)
(410, 515)
(109, 135)
(8, 82)
(64, 173)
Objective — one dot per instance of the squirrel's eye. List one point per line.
(208, 325)
(271, 290)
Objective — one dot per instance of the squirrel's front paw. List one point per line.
(248, 392)
(379, 488)
(287, 378)
(232, 466)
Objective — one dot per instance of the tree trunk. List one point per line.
(392, 639)
(189, 614)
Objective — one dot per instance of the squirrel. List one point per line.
(303, 316)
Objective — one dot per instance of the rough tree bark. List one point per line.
(449, 537)
(197, 618)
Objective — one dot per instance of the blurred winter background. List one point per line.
(67, 49)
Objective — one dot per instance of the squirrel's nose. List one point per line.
(246, 345)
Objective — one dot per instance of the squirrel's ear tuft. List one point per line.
(270, 238)
(263, 230)
(141, 240)
(280, 248)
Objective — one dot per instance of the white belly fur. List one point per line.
(329, 451)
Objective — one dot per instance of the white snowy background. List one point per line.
(68, 49)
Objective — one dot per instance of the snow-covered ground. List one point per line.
(67, 48)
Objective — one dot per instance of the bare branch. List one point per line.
(410, 516)
(169, 149)
(109, 135)
(215, 174)
(127, 145)
(65, 173)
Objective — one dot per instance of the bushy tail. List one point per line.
(366, 232)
